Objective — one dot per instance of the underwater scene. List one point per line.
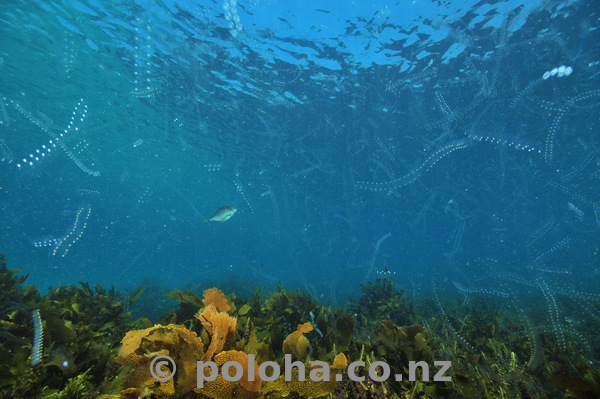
(299, 199)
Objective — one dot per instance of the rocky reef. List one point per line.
(81, 341)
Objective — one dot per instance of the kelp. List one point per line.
(92, 347)
(81, 327)
(380, 300)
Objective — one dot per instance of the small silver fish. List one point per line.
(222, 214)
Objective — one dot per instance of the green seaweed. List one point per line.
(84, 324)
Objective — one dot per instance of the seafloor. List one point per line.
(82, 341)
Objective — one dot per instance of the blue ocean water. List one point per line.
(451, 147)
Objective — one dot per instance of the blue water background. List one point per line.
(332, 126)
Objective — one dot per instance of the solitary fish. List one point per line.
(222, 214)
